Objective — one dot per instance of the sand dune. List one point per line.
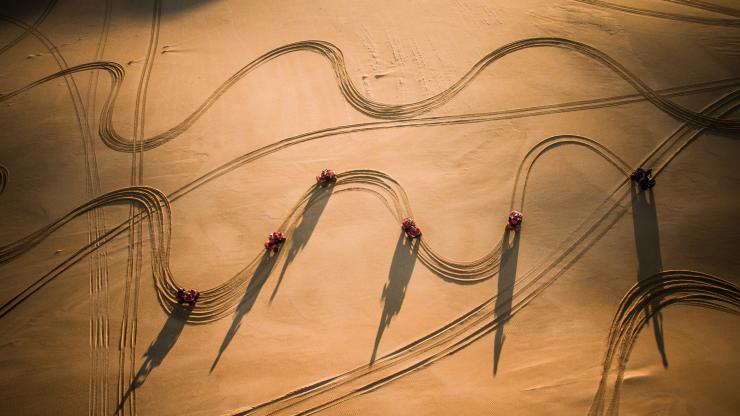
(550, 104)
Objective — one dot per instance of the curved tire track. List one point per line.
(99, 321)
(452, 337)
(445, 341)
(156, 203)
(362, 104)
(481, 320)
(648, 297)
(34, 25)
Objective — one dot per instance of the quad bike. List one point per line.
(274, 241)
(327, 177)
(643, 178)
(515, 221)
(187, 296)
(409, 227)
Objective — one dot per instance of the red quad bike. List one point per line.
(409, 227)
(327, 177)
(274, 241)
(187, 296)
(515, 221)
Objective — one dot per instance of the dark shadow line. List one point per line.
(647, 243)
(505, 295)
(157, 351)
(394, 291)
(261, 273)
(298, 237)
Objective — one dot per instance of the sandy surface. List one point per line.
(174, 119)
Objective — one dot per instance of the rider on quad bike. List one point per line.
(274, 241)
(327, 177)
(409, 227)
(515, 221)
(187, 296)
(643, 178)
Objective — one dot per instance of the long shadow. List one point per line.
(302, 232)
(505, 295)
(647, 242)
(394, 290)
(157, 350)
(247, 302)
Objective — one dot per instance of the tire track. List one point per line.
(103, 310)
(364, 105)
(437, 121)
(44, 13)
(520, 187)
(140, 164)
(114, 232)
(12, 250)
(436, 345)
(98, 270)
(675, 16)
(443, 342)
(99, 322)
(481, 320)
(643, 300)
(100, 301)
(220, 301)
(129, 325)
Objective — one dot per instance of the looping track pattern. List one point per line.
(436, 345)
(644, 299)
(220, 301)
(520, 187)
(366, 106)
(481, 320)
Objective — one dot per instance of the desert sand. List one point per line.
(151, 145)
